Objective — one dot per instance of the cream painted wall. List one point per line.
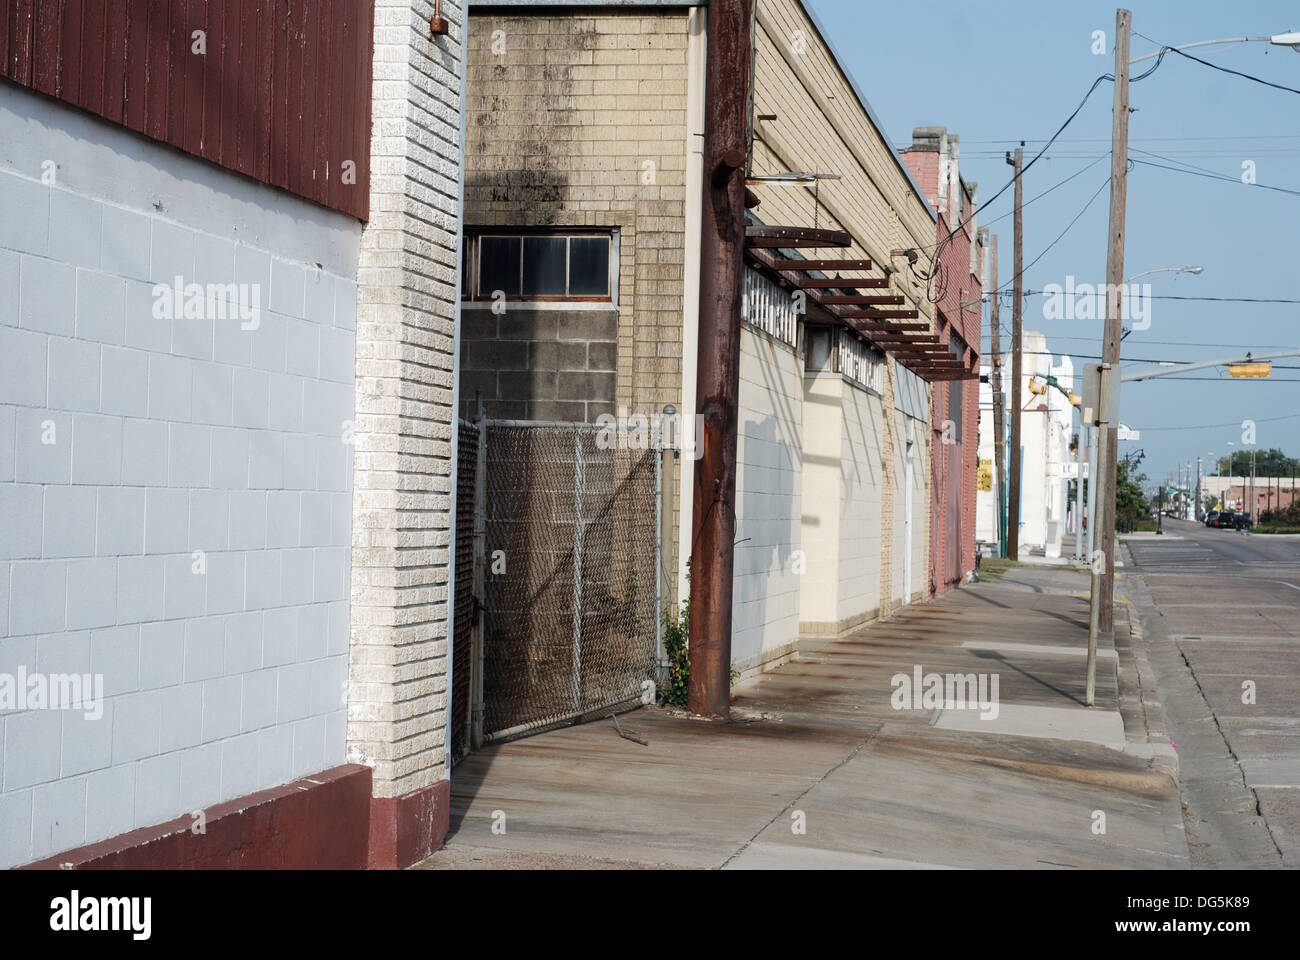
(769, 496)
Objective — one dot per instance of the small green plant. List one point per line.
(676, 634)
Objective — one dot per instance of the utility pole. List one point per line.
(1102, 613)
(1017, 327)
(1200, 494)
(1092, 489)
(1253, 510)
(1108, 440)
(999, 440)
(722, 253)
(1078, 491)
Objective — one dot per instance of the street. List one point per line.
(1220, 612)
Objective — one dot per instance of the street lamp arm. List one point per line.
(1146, 273)
(1202, 43)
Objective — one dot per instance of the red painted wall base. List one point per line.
(406, 829)
(321, 822)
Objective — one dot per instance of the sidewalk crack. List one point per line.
(793, 804)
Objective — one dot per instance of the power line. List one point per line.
(1213, 426)
(1170, 296)
(1165, 48)
(1039, 196)
(1214, 176)
(1025, 169)
(1183, 343)
(1077, 216)
(1238, 136)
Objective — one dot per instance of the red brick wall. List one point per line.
(957, 294)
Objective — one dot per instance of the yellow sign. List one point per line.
(984, 477)
(1249, 369)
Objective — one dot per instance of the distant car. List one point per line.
(1211, 517)
(1244, 521)
(1225, 520)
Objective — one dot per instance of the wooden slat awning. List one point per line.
(774, 237)
(914, 345)
(779, 264)
(843, 283)
(873, 314)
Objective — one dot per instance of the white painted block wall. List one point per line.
(170, 438)
(765, 603)
(862, 482)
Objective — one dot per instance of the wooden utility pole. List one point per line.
(1109, 441)
(999, 440)
(722, 255)
(1017, 330)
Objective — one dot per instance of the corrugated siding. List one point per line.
(282, 93)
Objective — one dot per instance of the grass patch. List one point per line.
(1275, 528)
(992, 568)
(1143, 526)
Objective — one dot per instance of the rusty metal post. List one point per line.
(722, 252)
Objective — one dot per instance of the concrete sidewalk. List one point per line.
(818, 745)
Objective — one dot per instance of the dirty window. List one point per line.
(498, 265)
(540, 266)
(545, 265)
(589, 266)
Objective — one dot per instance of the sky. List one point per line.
(1004, 71)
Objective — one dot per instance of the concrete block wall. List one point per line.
(769, 501)
(407, 309)
(860, 532)
(822, 435)
(175, 496)
(539, 364)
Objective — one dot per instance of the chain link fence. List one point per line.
(568, 624)
(464, 613)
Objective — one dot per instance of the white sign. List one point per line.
(1127, 433)
(1070, 471)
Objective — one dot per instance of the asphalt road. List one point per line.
(1222, 615)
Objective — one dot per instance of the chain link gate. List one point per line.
(465, 611)
(567, 624)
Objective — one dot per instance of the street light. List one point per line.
(1146, 273)
(1289, 39)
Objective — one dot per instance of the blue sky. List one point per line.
(996, 73)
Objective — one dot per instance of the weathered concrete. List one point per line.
(824, 748)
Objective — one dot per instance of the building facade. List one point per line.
(227, 391)
(582, 274)
(934, 159)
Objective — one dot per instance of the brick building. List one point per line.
(229, 510)
(934, 159)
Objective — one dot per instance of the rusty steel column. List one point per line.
(722, 253)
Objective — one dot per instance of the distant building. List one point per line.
(1047, 463)
(933, 159)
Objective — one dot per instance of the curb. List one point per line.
(1145, 727)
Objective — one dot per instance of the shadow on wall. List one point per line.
(767, 512)
(768, 517)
